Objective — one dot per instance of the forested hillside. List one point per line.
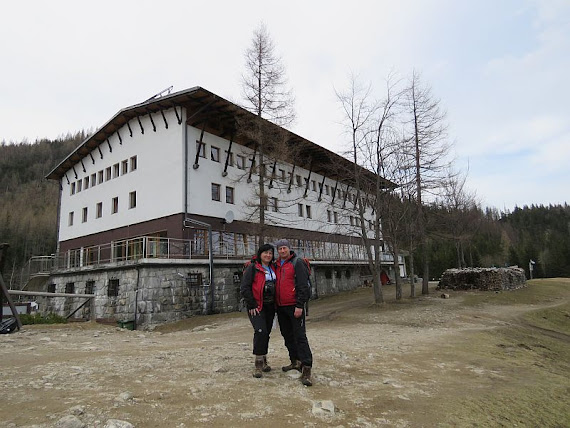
(458, 238)
(28, 202)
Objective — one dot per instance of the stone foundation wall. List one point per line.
(488, 279)
(167, 292)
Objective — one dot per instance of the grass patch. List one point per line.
(28, 319)
(536, 291)
(524, 382)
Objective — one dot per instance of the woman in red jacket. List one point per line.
(258, 290)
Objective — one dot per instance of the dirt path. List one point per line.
(422, 362)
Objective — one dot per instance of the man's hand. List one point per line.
(254, 312)
(298, 312)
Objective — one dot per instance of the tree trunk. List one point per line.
(425, 279)
(412, 276)
(396, 252)
(377, 284)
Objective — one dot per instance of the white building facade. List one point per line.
(148, 182)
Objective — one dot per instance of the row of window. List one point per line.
(112, 287)
(118, 169)
(279, 173)
(99, 209)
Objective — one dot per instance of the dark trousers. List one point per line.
(262, 324)
(295, 336)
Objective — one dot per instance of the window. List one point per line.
(327, 190)
(99, 210)
(308, 210)
(201, 149)
(274, 206)
(72, 192)
(299, 181)
(100, 177)
(133, 163)
(215, 154)
(89, 287)
(51, 288)
(215, 192)
(329, 216)
(328, 273)
(194, 278)
(300, 209)
(124, 167)
(240, 161)
(70, 288)
(115, 170)
(231, 158)
(70, 219)
(93, 179)
(107, 173)
(313, 185)
(86, 183)
(113, 289)
(132, 200)
(84, 215)
(229, 195)
(335, 214)
(338, 273)
(115, 205)
(79, 185)
(282, 174)
(351, 221)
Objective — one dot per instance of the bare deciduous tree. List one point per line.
(264, 88)
(264, 83)
(429, 149)
(374, 147)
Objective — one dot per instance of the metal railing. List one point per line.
(148, 247)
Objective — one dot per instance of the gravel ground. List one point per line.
(401, 364)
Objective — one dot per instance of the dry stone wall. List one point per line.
(487, 279)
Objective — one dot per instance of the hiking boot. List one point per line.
(306, 376)
(258, 366)
(266, 367)
(295, 365)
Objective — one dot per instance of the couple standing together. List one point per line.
(269, 286)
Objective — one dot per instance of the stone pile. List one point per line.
(486, 279)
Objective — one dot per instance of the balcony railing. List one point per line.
(147, 247)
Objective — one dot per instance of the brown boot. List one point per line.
(266, 367)
(295, 365)
(306, 376)
(258, 366)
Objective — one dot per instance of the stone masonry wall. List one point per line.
(165, 293)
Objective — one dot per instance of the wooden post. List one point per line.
(4, 289)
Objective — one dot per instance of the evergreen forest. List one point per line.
(457, 238)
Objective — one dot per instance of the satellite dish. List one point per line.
(229, 217)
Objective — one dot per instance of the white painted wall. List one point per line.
(157, 181)
(201, 179)
(159, 184)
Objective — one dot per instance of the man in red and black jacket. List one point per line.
(291, 294)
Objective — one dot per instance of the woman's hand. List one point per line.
(254, 312)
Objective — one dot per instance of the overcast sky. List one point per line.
(499, 67)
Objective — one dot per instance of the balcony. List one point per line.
(131, 251)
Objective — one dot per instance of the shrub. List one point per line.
(40, 319)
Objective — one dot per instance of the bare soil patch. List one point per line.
(475, 359)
